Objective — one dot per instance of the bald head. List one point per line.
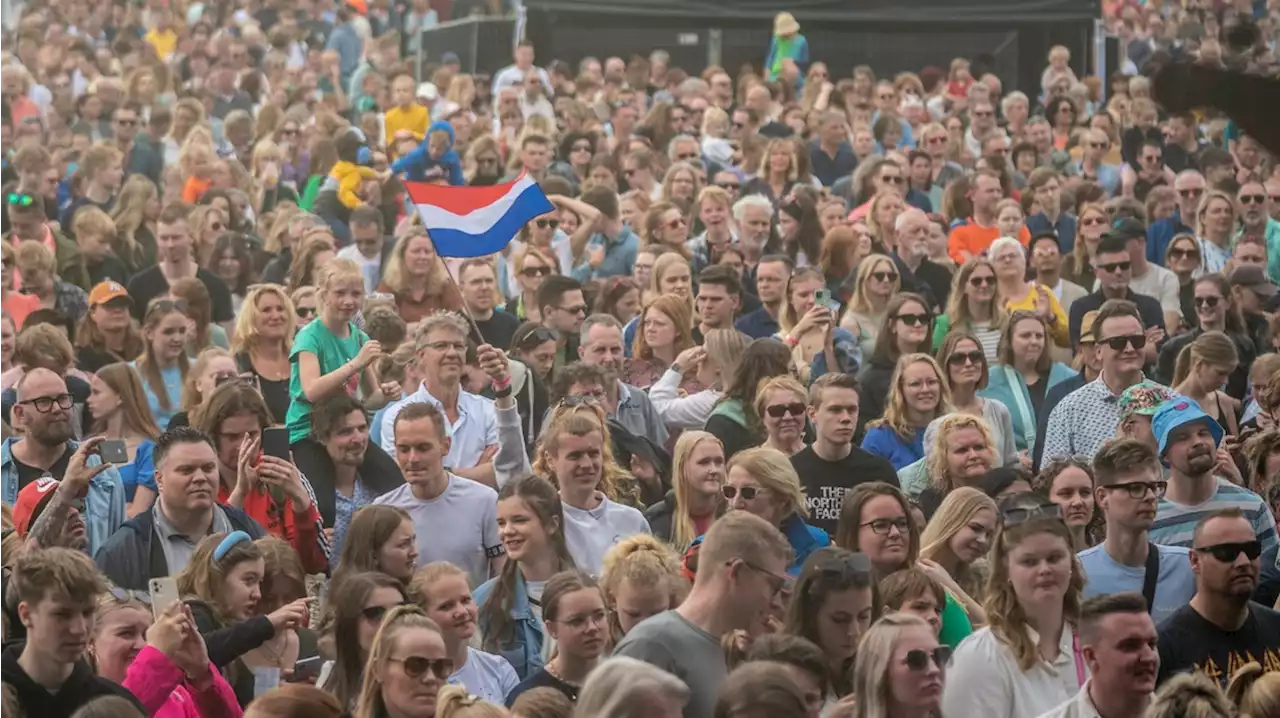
(44, 408)
(38, 382)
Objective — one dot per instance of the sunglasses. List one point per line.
(541, 335)
(982, 281)
(1176, 254)
(581, 148)
(918, 660)
(544, 223)
(578, 309)
(961, 358)
(913, 319)
(675, 224)
(936, 140)
(1098, 145)
(19, 199)
(749, 493)
(1139, 489)
(892, 179)
(687, 156)
(1253, 199)
(884, 276)
(1093, 222)
(1229, 552)
(418, 666)
(1115, 266)
(374, 614)
(1013, 517)
(1190, 192)
(288, 132)
(168, 305)
(777, 411)
(306, 312)
(1209, 302)
(1138, 341)
(532, 272)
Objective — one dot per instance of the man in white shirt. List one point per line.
(1118, 644)
(368, 245)
(513, 75)
(470, 421)
(1146, 277)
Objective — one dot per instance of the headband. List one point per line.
(228, 543)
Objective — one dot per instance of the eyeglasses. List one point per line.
(961, 358)
(1098, 145)
(938, 140)
(781, 583)
(687, 156)
(592, 397)
(882, 526)
(1253, 199)
(884, 276)
(306, 312)
(777, 411)
(1139, 489)
(168, 305)
(892, 179)
(913, 319)
(749, 493)
(1093, 222)
(676, 223)
(576, 309)
(44, 404)
(580, 148)
(19, 199)
(544, 223)
(1209, 302)
(1013, 517)
(1115, 266)
(374, 614)
(418, 666)
(1138, 341)
(982, 281)
(918, 660)
(532, 272)
(288, 132)
(1229, 552)
(1177, 254)
(1190, 192)
(459, 347)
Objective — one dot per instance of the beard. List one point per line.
(53, 432)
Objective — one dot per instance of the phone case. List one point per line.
(164, 591)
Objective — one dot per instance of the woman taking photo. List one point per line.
(531, 526)
(642, 577)
(283, 583)
(1091, 221)
(954, 546)
(666, 330)
(904, 330)
(573, 611)
(763, 482)
(782, 405)
(1068, 483)
(919, 395)
(975, 306)
(380, 539)
(877, 283)
(163, 364)
(833, 604)
(695, 500)
(1009, 259)
(407, 667)
(107, 334)
(263, 340)
(967, 376)
(204, 334)
(807, 326)
(734, 420)
(119, 408)
(901, 669)
(418, 278)
(1023, 662)
(531, 265)
(1023, 374)
(359, 603)
(1203, 367)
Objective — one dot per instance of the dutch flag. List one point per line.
(477, 221)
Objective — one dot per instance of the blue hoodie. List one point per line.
(416, 163)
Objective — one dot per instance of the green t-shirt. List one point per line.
(333, 352)
(955, 623)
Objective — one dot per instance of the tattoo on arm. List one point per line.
(47, 530)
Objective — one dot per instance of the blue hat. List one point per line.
(1176, 412)
(450, 58)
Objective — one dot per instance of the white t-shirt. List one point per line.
(487, 676)
(591, 533)
(459, 526)
(370, 269)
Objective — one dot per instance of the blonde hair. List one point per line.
(1190, 695)
(682, 529)
(454, 702)
(396, 277)
(401, 618)
(871, 670)
(1212, 348)
(247, 322)
(92, 220)
(645, 561)
(581, 420)
(725, 348)
(773, 470)
(896, 412)
(783, 382)
(125, 382)
(616, 687)
(936, 458)
(339, 270)
(32, 255)
(419, 588)
(1254, 691)
(957, 510)
(869, 264)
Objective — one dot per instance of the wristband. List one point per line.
(675, 367)
(503, 393)
(790, 340)
(505, 383)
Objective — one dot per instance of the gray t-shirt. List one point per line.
(459, 526)
(687, 652)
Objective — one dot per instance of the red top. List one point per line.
(302, 531)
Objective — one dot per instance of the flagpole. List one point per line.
(466, 312)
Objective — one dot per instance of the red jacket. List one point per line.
(303, 532)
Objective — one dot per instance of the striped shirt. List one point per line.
(1175, 524)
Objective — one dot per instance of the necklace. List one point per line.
(555, 673)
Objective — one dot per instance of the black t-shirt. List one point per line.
(542, 679)
(27, 474)
(1189, 642)
(1037, 391)
(497, 330)
(91, 360)
(151, 283)
(276, 393)
(826, 482)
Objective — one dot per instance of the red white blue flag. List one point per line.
(477, 221)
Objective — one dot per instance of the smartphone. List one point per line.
(164, 591)
(113, 451)
(306, 670)
(275, 442)
(822, 298)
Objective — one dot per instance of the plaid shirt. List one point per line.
(70, 300)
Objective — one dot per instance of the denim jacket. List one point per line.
(523, 648)
(103, 506)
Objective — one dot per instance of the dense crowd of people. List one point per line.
(816, 393)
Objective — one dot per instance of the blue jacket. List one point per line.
(523, 649)
(804, 540)
(800, 54)
(103, 506)
(418, 161)
(1160, 234)
(1007, 386)
(884, 441)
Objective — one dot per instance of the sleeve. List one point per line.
(308, 537)
(152, 677)
(876, 442)
(688, 412)
(1170, 302)
(492, 542)
(657, 430)
(974, 686)
(348, 185)
(507, 677)
(491, 436)
(144, 461)
(511, 461)
(219, 699)
(412, 161)
(1061, 336)
(227, 644)
(1009, 448)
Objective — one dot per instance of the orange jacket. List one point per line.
(975, 239)
(302, 531)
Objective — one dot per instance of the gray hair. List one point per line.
(1012, 97)
(614, 686)
(672, 155)
(906, 216)
(1037, 120)
(752, 200)
(439, 320)
(597, 320)
(1003, 242)
(693, 87)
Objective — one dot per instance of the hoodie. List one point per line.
(416, 163)
(80, 687)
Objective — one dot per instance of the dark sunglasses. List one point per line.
(532, 272)
(982, 281)
(1013, 517)
(1228, 552)
(687, 156)
(749, 493)
(1115, 266)
(913, 319)
(961, 358)
(892, 179)
(778, 410)
(417, 666)
(918, 660)
(1138, 341)
(1253, 199)
(306, 312)
(544, 223)
(1176, 254)
(168, 305)
(1190, 192)
(374, 614)
(1209, 302)
(541, 335)
(580, 148)
(1139, 489)
(884, 276)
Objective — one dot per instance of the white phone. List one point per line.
(164, 591)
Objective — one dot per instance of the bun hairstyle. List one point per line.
(645, 560)
(455, 702)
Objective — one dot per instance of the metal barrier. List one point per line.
(482, 44)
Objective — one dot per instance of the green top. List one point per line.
(955, 623)
(310, 191)
(332, 351)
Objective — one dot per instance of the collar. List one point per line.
(1100, 387)
(1066, 644)
(624, 393)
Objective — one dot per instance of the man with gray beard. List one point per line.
(601, 346)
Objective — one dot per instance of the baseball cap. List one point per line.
(450, 58)
(1128, 228)
(1253, 277)
(104, 292)
(32, 500)
(1143, 398)
(1180, 411)
(428, 91)
(1086, 325)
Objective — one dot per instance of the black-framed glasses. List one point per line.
(749, 493)
(1115, 266)
(576, 309)
(19, 199)
(982, 281)
(1117, 344)
(1177, 254)
(918, 660)
(1093, 222)
(418, 666)
(777, 411)
(574, 400)
(882, 526)
(961, 358)
(912, 320)
(544, 223)
(306, 312)
(1188, 193)
(531, 272)
(1139, 489)
(45, 404)
(1209, 302)
(884, 276)
(1043, 512)
(1253, 199)
(1229, 552)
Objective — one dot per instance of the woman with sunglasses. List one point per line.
(966, 369)
(665, 226)
(734, 420)
(901, 669)
(1023, 375)
(119, 409)
(762, 482)
(782, 405)
(263, 339)
(1183, 259)
(904, 330)
(919, 395)
(530, 265)
(359, 603)
(1216, 311)
(206, 222)
(1091, 221)
(877, 283)
(305, 306)
(1026, 660)
(574, 613)
(408, 665)
(834, 601)
(975, 306)
(163, 364)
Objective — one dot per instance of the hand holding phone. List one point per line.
(275, 442)
(113, 451)
(164, 592)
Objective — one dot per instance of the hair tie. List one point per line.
(228, 543)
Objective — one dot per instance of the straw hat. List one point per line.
(785, 24)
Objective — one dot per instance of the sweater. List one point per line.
(80, 687)
(165, 692)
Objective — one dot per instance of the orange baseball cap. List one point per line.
(104, 292)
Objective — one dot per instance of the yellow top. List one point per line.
(416, 119)
(1059, 328)
(164, 41)
(349, 176)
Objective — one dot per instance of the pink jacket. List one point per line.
(162, 688)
